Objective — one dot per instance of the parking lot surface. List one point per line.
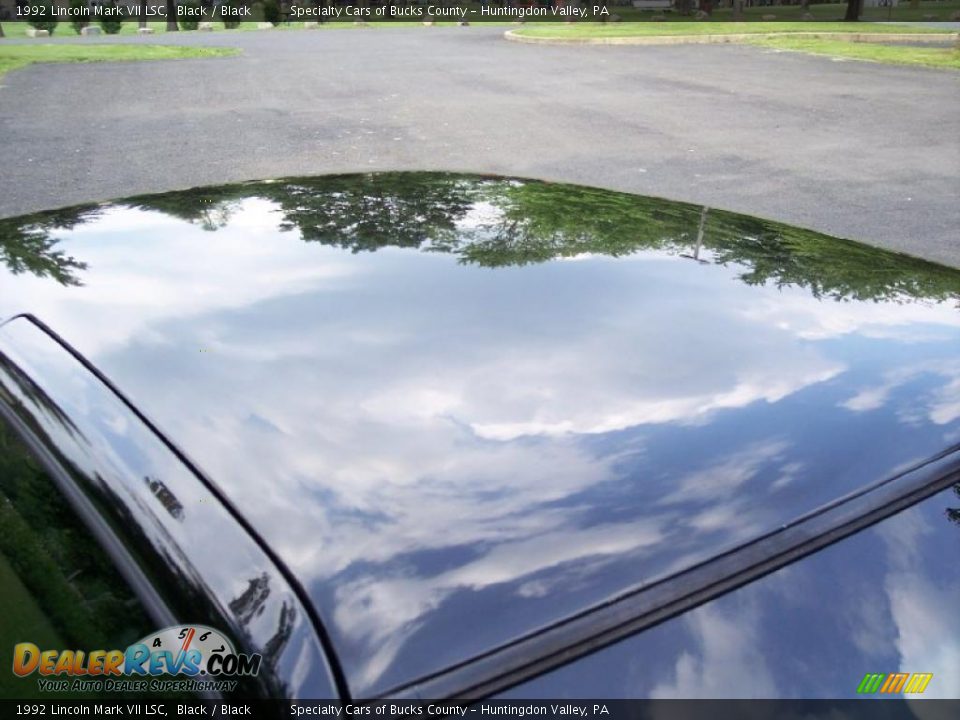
(854, 149)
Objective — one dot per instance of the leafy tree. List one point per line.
(495, 222)
(210, 208)
(188, 21)
(230, 21)
(271, 12)
(110, 23)
(26, 244)
(368, 212)
(77, 22)
(827, 266)
(355, 212)
(45, 20)
(541, 221)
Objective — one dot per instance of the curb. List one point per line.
(730, 38)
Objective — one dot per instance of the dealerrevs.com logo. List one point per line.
(178, 658)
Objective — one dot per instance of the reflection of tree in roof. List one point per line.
(953, 514)
(496, 222)
(355, 212)
(828, 267)
(26, 245)
(369, 212)
(210, 208)
(536, 222)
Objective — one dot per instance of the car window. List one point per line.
(880, 603)
(58, 589)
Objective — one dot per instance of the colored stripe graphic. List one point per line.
(894, 683)
(918, 683)
(871, 683)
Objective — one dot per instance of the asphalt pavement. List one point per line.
(855, 149)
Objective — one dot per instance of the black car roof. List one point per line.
(463, 410)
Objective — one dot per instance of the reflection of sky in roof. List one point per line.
(891, 590)
(424, 442)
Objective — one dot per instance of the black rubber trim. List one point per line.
(336, 670)
(638, 610)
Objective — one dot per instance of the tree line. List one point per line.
(522, 222)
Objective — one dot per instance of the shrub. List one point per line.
(77, 21)
(231, 21)
(110, 23)
(186, 15)
(271, 12)
(45, 20)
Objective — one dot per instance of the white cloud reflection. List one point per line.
(940, 405)
(727, 663)
(922, 605)
(366, 410)
(146, 268)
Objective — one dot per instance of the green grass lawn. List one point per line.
(941, 9)
(65, 30)
(16, 56)
(640, 29)
(897, 55)
(835, 11)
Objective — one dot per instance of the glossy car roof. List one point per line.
(461, 409)
(778, 638)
